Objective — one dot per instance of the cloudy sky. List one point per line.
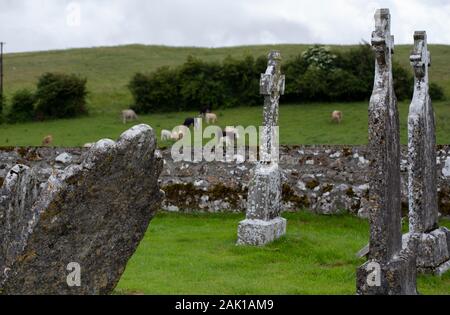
(57, 24)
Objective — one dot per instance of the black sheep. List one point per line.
(189, 122)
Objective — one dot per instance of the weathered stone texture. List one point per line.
(433, 251)
(263, 223)
(422, 188)
(93, 212)
(324, 179)
(396, 264)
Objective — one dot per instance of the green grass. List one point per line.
(196, 254)
(109, 69)
(299, 124)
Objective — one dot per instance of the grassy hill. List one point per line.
(109, 69)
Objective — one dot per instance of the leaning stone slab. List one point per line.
(391, 268)
(433, 252)
(74, 233)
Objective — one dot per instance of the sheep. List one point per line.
(47, 141)
(210, 118)
(336, 116)
(166, 135)
(128, 115)
(88, 145)
(205, 110)
(188, 122)
(231, 132)
(179, 132)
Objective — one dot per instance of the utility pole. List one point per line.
(1, 68)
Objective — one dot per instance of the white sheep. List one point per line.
(179, 132)
(210, 118)
(166, 135)
(128, 115)
(336, 116)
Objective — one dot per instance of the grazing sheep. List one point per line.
(188, 122)
(128, 115)
(205, 110)
(179, 132)
(210, 118)
(336, 116)
(47, 141)
(166, 135)
(231, 132)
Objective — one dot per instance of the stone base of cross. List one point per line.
(432, 251)
(263, 223)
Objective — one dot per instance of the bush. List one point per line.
(317, 74)
(436, 92)
(155, 92)
(22, 107)
(60, 96)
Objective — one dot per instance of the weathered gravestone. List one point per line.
(389, 269)
(263, 223)
(74, 233)
(433, 249)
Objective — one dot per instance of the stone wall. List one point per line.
(324, 179)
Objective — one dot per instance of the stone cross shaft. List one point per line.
(271, 86)
(384, 145)
(263, 223)
(391, 268)
(422, 187)
(433, 253)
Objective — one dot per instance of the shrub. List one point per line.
(317, 74)
(22, 107)
(436, 92)
(60, 96)
(155, 92)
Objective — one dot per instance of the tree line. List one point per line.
(316, 75)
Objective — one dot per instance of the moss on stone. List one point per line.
(347, 151)
(327, 188)
(444, 201)
(350, 193)
(289, 195)
(312, 184)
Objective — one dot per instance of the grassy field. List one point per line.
(299, 124)
(109, 70)
(196, 254)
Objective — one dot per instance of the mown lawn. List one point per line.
(196, 254)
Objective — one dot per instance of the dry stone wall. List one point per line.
(324, 179)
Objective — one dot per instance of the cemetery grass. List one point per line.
(299, 124)
(196, 254)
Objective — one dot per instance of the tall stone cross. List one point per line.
(433, 254)
(271, 86)
(263, 223)
(389, 270)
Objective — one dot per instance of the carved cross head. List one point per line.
(420, 56)
(382, 40)
(272, 82)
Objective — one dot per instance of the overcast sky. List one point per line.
(57, 24)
